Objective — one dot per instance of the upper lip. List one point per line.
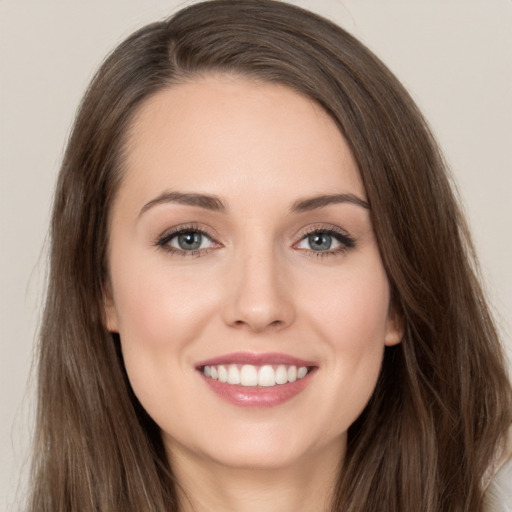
(255, 359)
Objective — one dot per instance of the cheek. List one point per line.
(351, 320)
(157, 304)
(161, 315)
(353, 308)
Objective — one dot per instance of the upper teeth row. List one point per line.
(249, 375)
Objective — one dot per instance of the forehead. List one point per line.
(221, 134)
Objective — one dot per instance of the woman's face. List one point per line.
(241, 248)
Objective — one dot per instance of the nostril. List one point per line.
(258, 325)
(257, 309)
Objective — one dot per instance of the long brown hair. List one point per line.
(442, 403)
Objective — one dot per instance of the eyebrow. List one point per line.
(313, 203)
(213, 203)
(207, 202)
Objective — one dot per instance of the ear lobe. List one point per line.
(110, 320)
(394, 327)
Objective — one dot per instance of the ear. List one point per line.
(394, 327)
(110, 320)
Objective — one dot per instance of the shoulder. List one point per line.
(498, 496)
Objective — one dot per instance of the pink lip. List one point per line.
(255, 359)
(249, 396)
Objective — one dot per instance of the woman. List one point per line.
(262, 293)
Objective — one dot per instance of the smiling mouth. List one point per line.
(249, 375)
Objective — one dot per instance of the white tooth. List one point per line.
(223, 373)
(248, 375)
(207, 371)
(266, 376)
(302, 372)
(281, 375)
(292, 374)
(233, 374)
(214, 373)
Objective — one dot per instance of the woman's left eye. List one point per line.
(326, 241)
(186, 240)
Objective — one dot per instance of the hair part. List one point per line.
(443, 401)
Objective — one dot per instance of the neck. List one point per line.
(305, 486)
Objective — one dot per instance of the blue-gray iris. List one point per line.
(320, 241)
(189, 241)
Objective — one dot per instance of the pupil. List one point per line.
(189, 241)
(320, 242)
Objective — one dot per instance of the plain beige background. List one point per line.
(454, 56)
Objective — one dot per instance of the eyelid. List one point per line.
(346, 241)
(162, 241)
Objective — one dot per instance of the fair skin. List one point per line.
(217, 255)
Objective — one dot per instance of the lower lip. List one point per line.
(253, 396)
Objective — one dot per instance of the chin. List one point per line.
(264, 447)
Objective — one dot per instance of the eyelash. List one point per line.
(346, 241)
(164, 239)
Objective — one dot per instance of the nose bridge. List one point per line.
(257, 296)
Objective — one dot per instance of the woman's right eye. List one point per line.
(186, 240)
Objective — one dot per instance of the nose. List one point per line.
(258, 294)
